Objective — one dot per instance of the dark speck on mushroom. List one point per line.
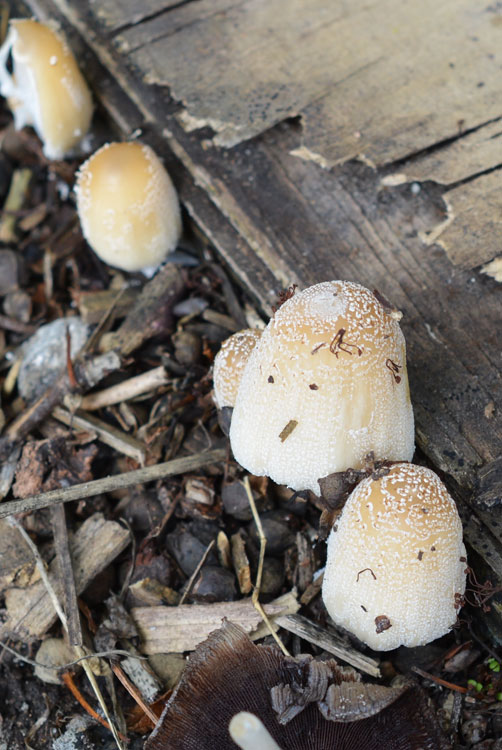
(313, 387)
(270, 379)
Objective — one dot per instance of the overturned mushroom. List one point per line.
(298, 704)
(325, 386)
(396, 566)
(128, 207)
(229, 365)
(45, 89)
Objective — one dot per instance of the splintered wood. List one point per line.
(178, 629)
(30, 611)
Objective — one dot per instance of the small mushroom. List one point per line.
(396, 565)
(325, 386)
(45, 89)
(291, 703)
(249, 733)
(128, 207)
(229, 365)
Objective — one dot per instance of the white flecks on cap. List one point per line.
(325, 385)
(128, 207)
(396, 565)
(46, 89)
(229, 365)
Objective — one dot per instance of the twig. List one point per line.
(327, 641)
(126, 390)
(196, 572)
(65, 667)
(115, 438)
(88, 374)
(134, 692)
(256, 591)
(15, 198)
(68, 681)
(118, 481)
(67, 580)
(57, 606)
(439, 681)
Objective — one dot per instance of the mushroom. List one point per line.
(325, 386)
(248, 732)
(292, 703)
(45, 89)
(396, 566)
(229, 365)
(128, 207)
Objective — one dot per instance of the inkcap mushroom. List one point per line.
(290, 703)
(325, 386)
(396, 565)
(229, 365)
(128, 207)
(45, 89)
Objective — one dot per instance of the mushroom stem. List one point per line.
(249, 733)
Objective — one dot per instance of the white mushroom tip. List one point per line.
(249, 733)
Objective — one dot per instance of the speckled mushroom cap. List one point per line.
(46, 88)
(325, 385)
(229, 365)
(396, 561)
(128, 207)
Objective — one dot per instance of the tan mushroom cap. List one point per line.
(396, 562)
(128, 207)
(325, 385)
(229, 365)
(46, 89)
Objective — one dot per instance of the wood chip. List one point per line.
(179, 629)
(313, 633)
(30, 612)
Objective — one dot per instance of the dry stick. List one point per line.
(55, 602)
(196, 572)
(134, 692)
(256, 592)
(108, 484)
(126, 390)
(67, 579)
(88, 374)
(68, 681)
(439, 681)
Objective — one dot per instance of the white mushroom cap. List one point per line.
(325, 385)
(396, 562)
(229, 365)
(46, 89)
(128, 207)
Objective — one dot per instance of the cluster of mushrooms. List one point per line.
(318, 394)
(319, 390)
(126, 202)
(323, 387)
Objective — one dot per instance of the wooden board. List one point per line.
(278, 219)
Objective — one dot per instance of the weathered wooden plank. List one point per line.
(380, 79)
(468, 155)
(117, 14)
(472, 231)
